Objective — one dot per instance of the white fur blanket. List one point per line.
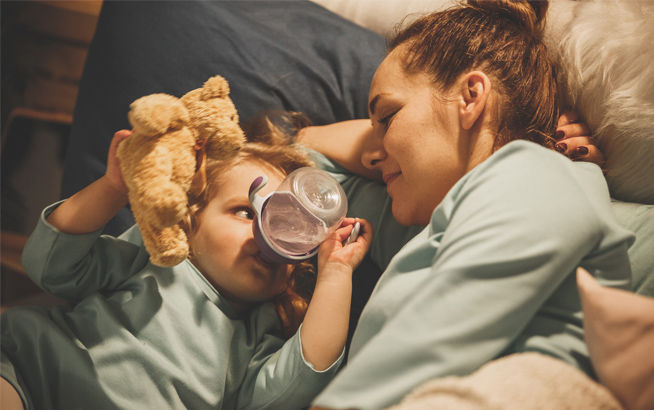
(526, 381)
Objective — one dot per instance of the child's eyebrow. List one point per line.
(237, 200)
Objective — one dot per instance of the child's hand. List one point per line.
(113, 174)
(332, 253)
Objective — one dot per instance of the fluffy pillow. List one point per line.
(606, 52)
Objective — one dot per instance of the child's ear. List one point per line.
(475, 88)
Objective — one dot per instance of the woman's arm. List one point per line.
(325, 326)
(342, 142)
(91, 208)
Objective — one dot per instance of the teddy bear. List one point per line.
(162, 161)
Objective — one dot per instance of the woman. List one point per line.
(490, 225)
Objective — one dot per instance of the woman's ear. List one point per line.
(475, 90)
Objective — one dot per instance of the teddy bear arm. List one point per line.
(156, 190)
(167, 247)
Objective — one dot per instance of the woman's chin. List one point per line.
(409, 217)
(401, 216)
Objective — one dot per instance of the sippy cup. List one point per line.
(293, 221)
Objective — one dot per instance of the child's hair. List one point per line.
(277, 152)
(504, 39)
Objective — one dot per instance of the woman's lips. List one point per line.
(388, 178)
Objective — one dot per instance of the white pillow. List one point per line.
(606, 52)
(606, 56)
(382, 16)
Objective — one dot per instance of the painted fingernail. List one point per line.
(561, 147)
(580, 151)
(559, 134)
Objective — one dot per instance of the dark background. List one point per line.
(44, 45)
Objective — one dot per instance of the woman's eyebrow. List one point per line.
(373, 103)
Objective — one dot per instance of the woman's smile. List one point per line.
(388, 178)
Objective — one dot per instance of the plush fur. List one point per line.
(606, 53)
(160, 160)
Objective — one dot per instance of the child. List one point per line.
(206, 333)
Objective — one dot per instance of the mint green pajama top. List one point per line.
(492, 273)
(140, 336)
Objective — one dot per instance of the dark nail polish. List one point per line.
(558, 135)
(561, 147)
(581, 151)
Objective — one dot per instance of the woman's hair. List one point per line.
(276, 152)
(502, 38)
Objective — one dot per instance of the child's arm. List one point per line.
(325, 326)
(92, 207)
(67, 257)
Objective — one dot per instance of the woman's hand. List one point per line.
(113, 174)
(574, 141)
(333, 253)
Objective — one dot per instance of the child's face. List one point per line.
(223, 246)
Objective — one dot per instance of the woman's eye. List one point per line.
(245, 213)
(386, 120)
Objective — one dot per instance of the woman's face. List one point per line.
(416, 141)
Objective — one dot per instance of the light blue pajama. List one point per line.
(144, 337)
(492, 273)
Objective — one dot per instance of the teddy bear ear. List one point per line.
(157, 113)
(215, 87)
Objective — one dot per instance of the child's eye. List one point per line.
(245, 213)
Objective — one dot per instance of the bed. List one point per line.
(318, 58)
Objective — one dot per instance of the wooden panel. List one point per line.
(91, 7)
(56, 22)
(50, 95)
(48, 58)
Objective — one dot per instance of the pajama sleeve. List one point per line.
(283, 380)
(493, 273)
(74, 266)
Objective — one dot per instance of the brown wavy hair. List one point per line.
(281, 155)
(502, 38)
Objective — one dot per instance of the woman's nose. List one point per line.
(373, 152)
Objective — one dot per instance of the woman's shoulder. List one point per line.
(523, 174)
(530, 163)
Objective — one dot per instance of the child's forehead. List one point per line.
(243, 173)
